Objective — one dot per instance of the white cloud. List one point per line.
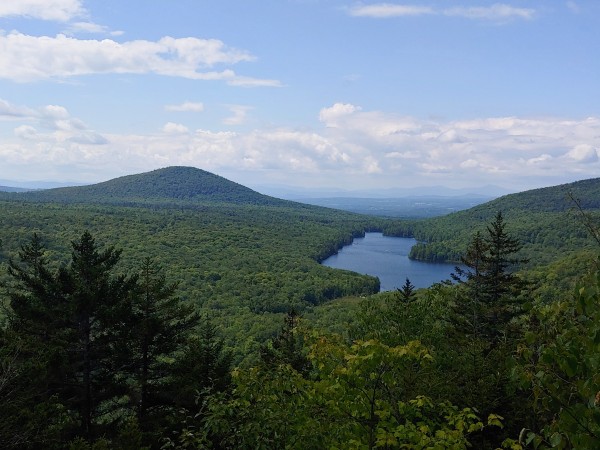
(58, 124)
(239, 113)
(330, 116)
(26, 132)
(583, 153)
(175, 128)
(29, 58)
(365, 147)
(380, 10)
(56, 10)
(91, 28)
(88, 138)
(498, 12)
(8, 110)
(186, 107)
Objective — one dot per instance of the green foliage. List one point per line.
(407, 291)
(159, 326)
(559, 360)
(159, 186)
(354, 398)
(72, 323)
(234, 261)
(492, 289)
(287, 347)
(202, 367)
(540, 219)
(97, 358)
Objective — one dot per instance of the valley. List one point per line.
(249, 266)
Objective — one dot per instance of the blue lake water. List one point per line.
(387, 258)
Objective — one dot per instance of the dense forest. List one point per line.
(176, 309)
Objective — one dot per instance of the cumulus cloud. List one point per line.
(497, 12)
(56, 123)
(330, 116)
(363, 148)
(26, 58)
(8, 110)
(186, 107)
(583, 153)
(26, 132)
(56, 10)
(175, 128)
(239, 113)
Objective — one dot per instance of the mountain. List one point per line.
(547, 221)
(170, 184)
(13, 189)
(548, 199)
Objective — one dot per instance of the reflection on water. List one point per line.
(387, 258)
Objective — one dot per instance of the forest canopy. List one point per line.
(183, 322)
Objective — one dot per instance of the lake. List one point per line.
(386, 257)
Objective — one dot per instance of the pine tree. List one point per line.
(288, 347)
(98, 306)
(160, 325)
(67, 325)
(407, 291)
(491, 285)
(202, 368)
(37, 321)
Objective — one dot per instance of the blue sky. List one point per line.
(305, 93)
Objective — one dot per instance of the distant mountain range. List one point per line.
(13, 189)
(298, 193)
(188, 184)
(291, 193)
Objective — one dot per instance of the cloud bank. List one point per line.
(352, 148)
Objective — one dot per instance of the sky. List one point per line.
(337, 94)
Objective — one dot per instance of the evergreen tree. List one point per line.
(33, 349)
(160, 325)
(407, 291)
(288, 347)
(502, 249)
(37, 305)
(68, 325)
(491, 286)
(480, 319)
(98, 306)
(202, 368)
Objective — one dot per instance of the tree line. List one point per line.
(93, 358)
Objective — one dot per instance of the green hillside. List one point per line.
(136, 349)
(235, 253)
(546, 221)
(174, 184)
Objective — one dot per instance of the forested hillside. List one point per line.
(176, 309)
(233, 252)
(168, 184)
(546, 220)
